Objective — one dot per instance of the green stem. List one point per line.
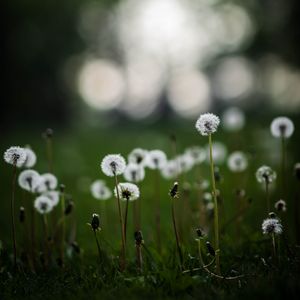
(126, 217)
(49, 154)
(12, 210)
(216, 214)
(267, 196)
(123, 258)
(157, 215)
(62, 256)
(274, 246)
(283, 165)
(98, 246)
(47, 250)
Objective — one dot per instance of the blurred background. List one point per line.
(109, 76)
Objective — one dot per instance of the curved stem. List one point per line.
(123, 258)
(216, 214)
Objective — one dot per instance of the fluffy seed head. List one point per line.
(237, 161)
(185, 162)
(282, 127)
(233, 119)
(156, 159)
(127, 191)
(53, 196)
(265, 174)
(29, 180)
(113, 164)
(43, 204)
(198, 154)
(48, 182)
(30, 158)
(138, 156)
(271, 225)
(280, 205)
(134, 172)
(15, 156)
(170, 170)
(207, 124)
(100, 191)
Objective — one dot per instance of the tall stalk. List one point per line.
(216, 214)
(63, 229)
(123, 254)
(267, 195)
(283, 165)
(126, 217)
(157, 211)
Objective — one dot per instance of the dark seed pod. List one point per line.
(95, 222)
(62, 188)
(210, 249)
(272, 215)
(69, 207)
(174, 190)
(48, 133)
(199, 232)
(138, 236)
(22, 214)
(297, 170)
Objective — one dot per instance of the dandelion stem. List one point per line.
(12, 206)
(49, 146)
(216, 214)
(283, 165)
(157, 215)
(139, 258)
(267, 195)
(62, 252)
(274, 245)
(126, 217)
(98, 246)
(176, 235)
(47, 250)
(123, 258)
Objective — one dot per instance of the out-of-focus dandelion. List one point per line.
(29, 180)
(48, 182)
(185, 163)
(207, 124)
(233, 119)
(283, 128)
(219, 153)
(266, 175)
(156, 159)
(16, 157)
(30, 158)
(100, 191)
(134, 173)
(138, 156)
(170, 170)
(53, 196)
(280, 205)
(237, 162)
(198, 154)
(43, 205)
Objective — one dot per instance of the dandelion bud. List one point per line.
(48, 133)
(138, 236)
(200, 232)
(272, 215)
(22, 214)
(62, 188)
(297, 170)
(174, 190)
(95, 222)
(217, 174)
(210, 249)
(69, 207)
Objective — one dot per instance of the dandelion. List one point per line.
(233, 119)
(43, 204)
(53, 196)
(185, 162)
(29, 180)
(207, 124)
(156, 159)
(134, 173)
(30, 158)
(280, 205)
(237, 162)
(15, 156)
(113, 164)
(127, 192)
(266, 175)
(283, 128)
(170, 170)
(100, 191)
(138, 156)
(48, 182)
(198, 154)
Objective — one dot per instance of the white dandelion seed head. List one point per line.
(138, 156)
(170, 170)
(198, 154)
(43, 204)
(265, 174)
(100, 191)
(15, 156)
(219, 153)
(184, 162)
(202, 185)
(156, 159)
(30, 158)
(233, 119)
(207, 197)
(237, 162)
(128, 191)
(113, 164)
(207, 124)
(282, 127)
(53, 196)
(271, 225)
(134, 173)
(29, 180)
(280, 205)
(48, 182)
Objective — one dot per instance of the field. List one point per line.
(246, 254)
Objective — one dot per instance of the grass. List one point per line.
(77, 156)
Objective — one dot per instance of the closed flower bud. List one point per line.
(200, 232)
(62, 188)
(69, 207)
(22, 214)
(272, 215)
(210, 249)
(138, 236)
(297, 170)
(48, 133)
(95, 224)
(174, 190)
